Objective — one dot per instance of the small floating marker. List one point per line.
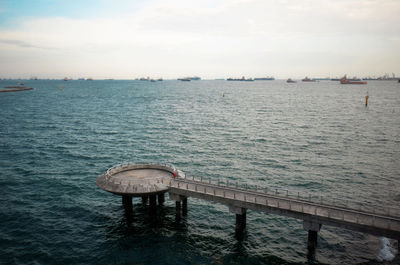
(366, 99)
(61, 87)
(175, 173)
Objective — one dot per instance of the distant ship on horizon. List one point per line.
(240, 79)
(190, 78)
(306, 79)
(264, 78)
(354, 81)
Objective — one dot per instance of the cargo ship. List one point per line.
(264, 78)
(240, 79)
(354, 81)
(306, 79)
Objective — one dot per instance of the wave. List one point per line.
(387, 252)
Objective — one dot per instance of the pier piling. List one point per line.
(153, 201)
(313, 229)
(145, 199)
(240, 223)
(178, 208)
(184, 206)
(161, 198)
(312, 240)
(127, 201)
(240, 218)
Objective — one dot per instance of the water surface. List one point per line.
(316, 138)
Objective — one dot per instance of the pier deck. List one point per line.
(151, 181)
(312, 213)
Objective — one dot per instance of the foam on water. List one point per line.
(387, 252)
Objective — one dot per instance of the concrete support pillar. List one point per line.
(178, 208)
(184, 206)
(127, 200)
(312, 240)
(240, 218)
(145, 199)
(180, 202)
(153, 201)
(313, 229)
(161, 198)
(240, 223)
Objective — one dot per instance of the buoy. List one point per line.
(60, 87)
(175, 174)
(366, 99)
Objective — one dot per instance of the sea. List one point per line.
(315, 138)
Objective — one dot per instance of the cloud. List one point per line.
(186, 33)
(18, 43)
(23, 44)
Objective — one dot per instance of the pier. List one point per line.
(132, 180)
(152, 180)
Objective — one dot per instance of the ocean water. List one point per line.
(315, 138)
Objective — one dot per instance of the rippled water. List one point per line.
(305, 137)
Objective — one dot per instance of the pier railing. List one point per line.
(111, 172)
(355, 205)
(375, 208)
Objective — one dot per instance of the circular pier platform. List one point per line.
(138, 180)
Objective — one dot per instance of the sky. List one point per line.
(124, 39)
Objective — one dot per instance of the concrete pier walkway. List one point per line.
(148, 181)
(312, 213)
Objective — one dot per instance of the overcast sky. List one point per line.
(212, 39)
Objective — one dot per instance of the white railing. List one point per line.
(375, 208)
(131, 166)
(303, 196)
(111, 172)
(252, 197)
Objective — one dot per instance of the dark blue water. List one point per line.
(308, 137)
